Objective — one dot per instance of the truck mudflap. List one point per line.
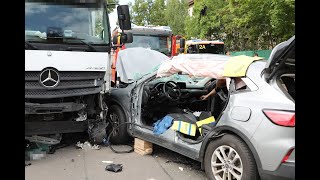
(49, 108)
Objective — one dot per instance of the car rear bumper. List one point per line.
(286, 171)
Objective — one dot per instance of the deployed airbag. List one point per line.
(207, 65)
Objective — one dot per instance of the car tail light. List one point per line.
(286, 157)
(281, 118)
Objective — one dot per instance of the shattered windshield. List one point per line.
(70, 21)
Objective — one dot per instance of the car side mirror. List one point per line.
(124, 17)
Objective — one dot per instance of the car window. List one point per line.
(244, 84)
(240, 84)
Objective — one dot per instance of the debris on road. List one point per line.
(28, 164)
(107, 162)
(87, 145)
(181, 168)
(72, 160)
(37, 156)
(95, 147)
(35, 151)
(114, 167)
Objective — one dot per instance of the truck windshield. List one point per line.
(88, 23)
(158, 43)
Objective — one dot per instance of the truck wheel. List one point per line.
(117, 117)
(229, 158)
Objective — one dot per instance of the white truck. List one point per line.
(68, 67)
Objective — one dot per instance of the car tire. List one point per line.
(117, 117)
(244, 165)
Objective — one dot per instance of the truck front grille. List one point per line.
(71, 84)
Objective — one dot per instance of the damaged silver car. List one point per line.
(252, 135)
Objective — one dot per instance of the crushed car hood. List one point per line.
(134, 63)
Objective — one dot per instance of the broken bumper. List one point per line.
(49, 108)
(33, 127)
(54, 127)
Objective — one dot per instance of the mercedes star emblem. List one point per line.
(49, 78)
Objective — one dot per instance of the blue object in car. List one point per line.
(162, 125)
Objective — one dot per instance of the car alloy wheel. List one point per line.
(115, 122)
(226, 163)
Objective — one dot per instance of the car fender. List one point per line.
(219, 132)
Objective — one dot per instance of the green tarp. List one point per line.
(262, 53)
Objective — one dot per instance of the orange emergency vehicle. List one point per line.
(159, 38)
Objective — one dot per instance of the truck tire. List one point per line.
(218, 162)
(117, 117)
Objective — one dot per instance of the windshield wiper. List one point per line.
(93, 49)
(30, 45)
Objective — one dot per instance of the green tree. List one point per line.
(176, 14)
(157, 13)
(111, 5)
(259, 24)
(206, 20)
(191, 30)
(245, 24)
(283, 19)
(140, 14)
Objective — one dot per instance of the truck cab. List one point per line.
(67, 67)
(158, 38)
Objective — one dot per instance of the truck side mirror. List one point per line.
(129, 37)
(182, 45)
(126, 38)
(124, 17)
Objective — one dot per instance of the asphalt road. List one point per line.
(86, 164)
